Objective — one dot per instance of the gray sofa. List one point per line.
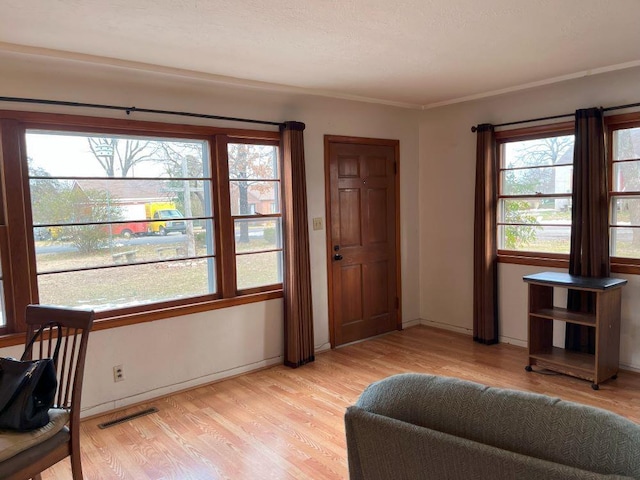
(415, 426)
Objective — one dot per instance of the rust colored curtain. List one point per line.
(298, 314)
(589, 254)
(485, 258)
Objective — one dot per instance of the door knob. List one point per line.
(337, 256)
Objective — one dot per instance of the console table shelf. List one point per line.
(605, 319)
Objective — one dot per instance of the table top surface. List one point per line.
(566, 280)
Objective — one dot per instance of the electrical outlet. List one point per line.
(118, 373)
(317, 223)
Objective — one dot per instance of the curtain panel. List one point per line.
(589, 254)
(298, 313)
(485, 257)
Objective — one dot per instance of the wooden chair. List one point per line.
(76, 325)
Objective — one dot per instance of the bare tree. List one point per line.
(117, 157)
(248, 164)
(184, 160)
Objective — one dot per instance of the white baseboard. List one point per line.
(177, 387)
(322, 348)
(411, 323)
(512, 341)
(630, 368)
(446, 326)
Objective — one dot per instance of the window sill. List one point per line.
(625, 265)
(553, 260)
(151, 315)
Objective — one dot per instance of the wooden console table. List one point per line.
(597, 367)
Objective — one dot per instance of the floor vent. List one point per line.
(126, 418)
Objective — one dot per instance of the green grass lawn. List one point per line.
(169, 276)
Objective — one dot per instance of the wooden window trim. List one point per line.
(123, 320)
(21, 258)
(613, 123)
(552, 260)
(255, 216)
(524, 257)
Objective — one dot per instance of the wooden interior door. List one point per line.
(362, 232)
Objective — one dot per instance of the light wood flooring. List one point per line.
(282, 423)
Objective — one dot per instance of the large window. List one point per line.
(136, 220)
(534, 204)
(112, 212)
(625, 192)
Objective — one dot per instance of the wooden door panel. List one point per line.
(362, 228)
(352, 307)
(349, 205)
(375, 166)
(377, 213)
(348, 166)
(377, 287)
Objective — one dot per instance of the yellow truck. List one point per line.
(166, 219)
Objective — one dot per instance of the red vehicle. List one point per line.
(128, 230)
(132, 228)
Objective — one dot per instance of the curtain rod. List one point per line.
(554, 117)
(129, 110)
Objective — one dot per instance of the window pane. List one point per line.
(53, 154)
(626, 211)
(535, 238)
(625, 242)
(626, 176)
(258, 235)
(538, 152)
(534, 168)
(251, 197)
(625, 230)
(259, 269)
(531, 181)
(626, 144)
(146, 211)
(91, 246)
(128, 285)
(535, 210)
(252, 161)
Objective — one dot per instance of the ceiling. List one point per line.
(413, 53)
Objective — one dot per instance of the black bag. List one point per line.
(28, 389)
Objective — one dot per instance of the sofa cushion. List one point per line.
(530, 424)
(12, 443)
(381, 448)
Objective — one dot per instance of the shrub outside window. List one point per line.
(534, 201)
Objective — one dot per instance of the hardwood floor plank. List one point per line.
(282, 423)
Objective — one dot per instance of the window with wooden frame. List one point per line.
(254, 189)
(534, 194)
(137, 220)
(624, 142)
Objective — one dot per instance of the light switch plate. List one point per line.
(317, 223)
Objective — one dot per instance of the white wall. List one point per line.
(167, 355)
(447, 173)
